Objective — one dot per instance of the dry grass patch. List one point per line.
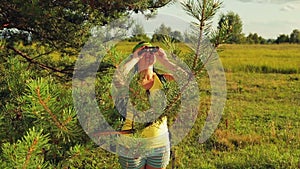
(231, 140)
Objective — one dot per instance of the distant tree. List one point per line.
(138, 29)
(262, 40)
(163, 29)
(166, 31)
(255, 39)
(282, 39)
(138, 34)
(160, 32)
(157, 38)
(295, 36)
(177, 35)
(220, 35)
(252, 38)
(187, 37)
(270, 41)
(234, 25)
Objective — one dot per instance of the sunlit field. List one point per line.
(261, 120)
(284, 58)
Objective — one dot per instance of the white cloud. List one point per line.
(292, 6)
(288, 7)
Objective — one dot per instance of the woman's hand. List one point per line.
(168, 76)
(161, 53)
(136, 53)
(175, 69)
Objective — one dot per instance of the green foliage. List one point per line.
(282, 38)
(74, 157)
(202, 10)
(88, 157)
(49, 105)
(229, 30)
(106, 105)
(172, 47)
(295, 36)
(255, 39)
(28, 152)
(29, 101)
(233, 27)
(13, 83)
(2, 126)
(66, 24)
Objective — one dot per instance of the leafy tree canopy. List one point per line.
(295, 36)
(234, 27)
(64, 23)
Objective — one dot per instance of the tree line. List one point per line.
(230, 23)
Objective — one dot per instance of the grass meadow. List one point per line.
(260, 127)
(283, 58)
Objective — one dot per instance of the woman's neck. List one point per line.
(147, 74)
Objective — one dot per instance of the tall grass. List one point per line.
(284, 58)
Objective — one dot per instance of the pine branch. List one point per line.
(29, 153)
(178, 96)
(54, 118)
(205, 63)
(201, 28)
(32, 61)
(69, 119)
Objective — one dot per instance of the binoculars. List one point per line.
(149, 49)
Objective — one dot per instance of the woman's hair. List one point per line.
(141, 44)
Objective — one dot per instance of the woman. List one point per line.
(157, 153)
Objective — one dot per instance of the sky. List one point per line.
(267, 18)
